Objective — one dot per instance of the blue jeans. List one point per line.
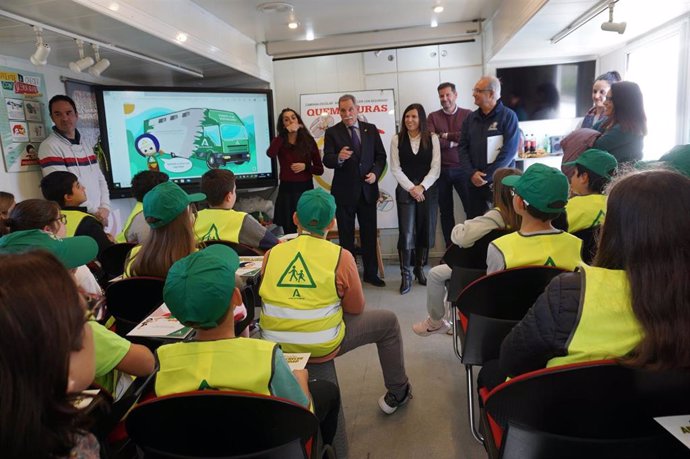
(449, 179)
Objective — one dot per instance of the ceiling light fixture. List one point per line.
(109, 46)
(434, 23)
(101, 64)
(40, 56)
(582, 20)
(293, 23)
(310, 35)
(84, 62)
(181, 37)
(611, 26)
(438, 9)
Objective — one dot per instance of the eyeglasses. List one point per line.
(513, 194)
(480, 90)
(62, 219)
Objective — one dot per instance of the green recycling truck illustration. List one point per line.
(215, 136)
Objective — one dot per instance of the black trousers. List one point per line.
(286, 203)
(366, 216)
(326, 398)
(478, 200)
(416, 220)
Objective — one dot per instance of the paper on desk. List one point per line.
(85, 398)
(297, 361)
(679, 426)
(493, 147)
(160, 324)
(249, 266)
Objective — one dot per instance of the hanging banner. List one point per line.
(320, 111)
(23, 118)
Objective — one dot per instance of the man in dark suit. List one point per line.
(355, 150)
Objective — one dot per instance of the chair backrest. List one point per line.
(130, 300)
(595, 400)
(493, 304)
(589, 243)
(250, 300)
(221, 424)
(471, 257)
(113, 259)
(241, 249)
(521, 442)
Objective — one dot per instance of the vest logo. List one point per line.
(205, 386)
(549, 262)
(493, 126)
(211, 234)
(599, 219)
(296, 275)
(296, 294)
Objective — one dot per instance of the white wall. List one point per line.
(413, 74)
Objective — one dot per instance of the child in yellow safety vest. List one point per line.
(200, 292)
(587, 207)
(64, 188)
(135, 229)
(539, 196)
(221, 221)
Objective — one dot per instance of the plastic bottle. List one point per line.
(532, 143)
(547, 144)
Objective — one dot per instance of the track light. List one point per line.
(40, 56)
(101, 64)
(293, 23)
(583, 19)
(84, 62)
(611, 26)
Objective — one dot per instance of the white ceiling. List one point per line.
(533, 40)
(330, 20)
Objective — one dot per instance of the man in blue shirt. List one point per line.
(479, 133)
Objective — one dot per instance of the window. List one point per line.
(655, 66)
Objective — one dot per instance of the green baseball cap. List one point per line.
(71, 251)
(542, 187)
(600, 162)
(199, 287)
(677, 159)
(315, 210)
(166, 201)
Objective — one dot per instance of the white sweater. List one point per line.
(467, 233)
(56, 153)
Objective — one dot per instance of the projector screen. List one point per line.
(184, 133)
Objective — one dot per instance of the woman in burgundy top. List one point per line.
(299, 160)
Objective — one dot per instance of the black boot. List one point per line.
(405, 271)
(420, 257)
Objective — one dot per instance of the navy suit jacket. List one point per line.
(348, 178)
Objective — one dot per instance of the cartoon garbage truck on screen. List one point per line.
(215, 136)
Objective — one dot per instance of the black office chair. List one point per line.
(241, 249)
(594, 410)
(113, 259)
(219, 424)
(589, 243)
(468, 263)
(487, 310)
(130, 300)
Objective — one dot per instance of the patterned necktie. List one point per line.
(355, 139)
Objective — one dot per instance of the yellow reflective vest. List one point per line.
(138, 208)
(606, 327)
(74, 218)
(224, 224)
(239, 364)
(585, 212)
(302, 310)
(561, 250)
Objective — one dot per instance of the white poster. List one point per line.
(320, 111)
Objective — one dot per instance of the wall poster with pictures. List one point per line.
(23, 118)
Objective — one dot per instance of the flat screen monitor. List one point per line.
(548, 91)
(185, 132)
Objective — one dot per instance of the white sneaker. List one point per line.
(430, 326)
